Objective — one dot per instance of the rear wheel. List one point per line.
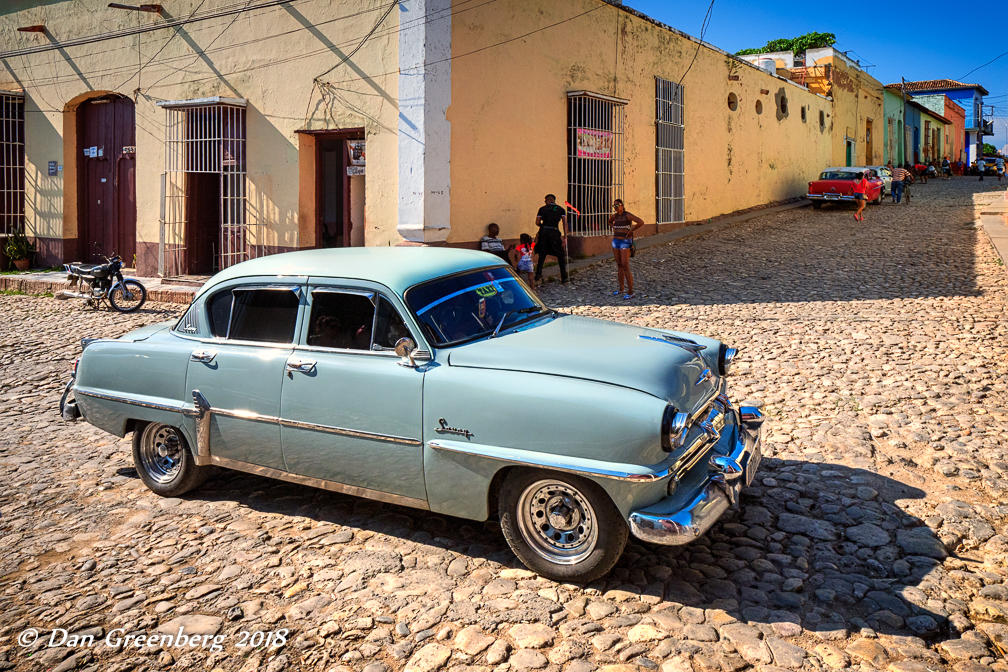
(563, 527)
(164, 462)
(128, 296)
(816, 204)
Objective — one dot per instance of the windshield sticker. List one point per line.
(486, 292)
(435, 304)
(482, 308)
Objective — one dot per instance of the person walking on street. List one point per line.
(860, 195)
(980, 166)
(999, 164)
(623, 225)
(551, 240)
(898, 175)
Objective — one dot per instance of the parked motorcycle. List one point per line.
(97, 282)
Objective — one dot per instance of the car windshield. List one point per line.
(839, 175)
(471, 305)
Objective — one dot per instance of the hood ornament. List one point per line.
(686, 344)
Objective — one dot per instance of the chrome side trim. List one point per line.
(320, 483)
(296, 424)
(202, 409)
(655, 472)
(135, 402)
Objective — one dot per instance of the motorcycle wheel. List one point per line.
(128, 296)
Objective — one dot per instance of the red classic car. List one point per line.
(837, 184)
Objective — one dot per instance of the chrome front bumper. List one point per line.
(727, 475)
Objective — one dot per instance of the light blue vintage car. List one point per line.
(432, 378)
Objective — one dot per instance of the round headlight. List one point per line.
(673, 429)
(725, 357)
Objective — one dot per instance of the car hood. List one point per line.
(598, 350)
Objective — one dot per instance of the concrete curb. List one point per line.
(993, 218)
(553, 270)
(28, 285)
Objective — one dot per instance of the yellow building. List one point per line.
(197, 134)
(857, 121)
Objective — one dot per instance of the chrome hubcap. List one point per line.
(557, 522)
(161, 453)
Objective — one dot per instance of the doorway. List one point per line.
(869, 154)
(106, 178)
(339, 188)
(850, 147)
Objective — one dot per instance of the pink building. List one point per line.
(955, 139)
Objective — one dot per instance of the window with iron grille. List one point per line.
(594, 161)
(670, 135)
(12, 162)
(204, 215)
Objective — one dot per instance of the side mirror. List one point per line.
(405, 347)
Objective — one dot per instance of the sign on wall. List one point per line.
(356, 150)
(354, 170)
(593, 144)
(52, 168)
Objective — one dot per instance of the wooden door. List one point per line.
(869, 154)
(106, 139)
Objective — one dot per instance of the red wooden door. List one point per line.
(106, 139)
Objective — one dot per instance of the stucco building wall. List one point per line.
(894, 140)
(509, 115)
(857, 99)
(269, 57)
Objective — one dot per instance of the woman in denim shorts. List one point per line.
(623, 225)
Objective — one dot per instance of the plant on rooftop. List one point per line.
(795, 45)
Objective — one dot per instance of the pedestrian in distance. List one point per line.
(525, 250)
(623, 225)
(980, 166)
(947, 168)
(551, 240)
(899, 174)
(494, 245)
(999, 164)
(860, 195)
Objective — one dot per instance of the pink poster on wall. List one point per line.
(592, 144)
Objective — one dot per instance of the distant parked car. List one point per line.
(886, 176)
(837, 184)
(433, 378)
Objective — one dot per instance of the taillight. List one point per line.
(76, 362)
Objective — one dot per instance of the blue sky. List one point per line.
(931, 41)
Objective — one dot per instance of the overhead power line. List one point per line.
(983, 66)
(127, 32)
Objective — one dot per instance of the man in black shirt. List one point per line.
(550, 239)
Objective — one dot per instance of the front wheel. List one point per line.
(563, 527)
(164, 462)
(128, 296)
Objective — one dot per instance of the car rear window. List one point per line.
(839, 175)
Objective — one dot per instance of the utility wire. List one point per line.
(703, 30)
(167, 42)
(983, 66)
(127, 32)
(366, 38)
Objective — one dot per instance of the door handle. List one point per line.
(302, 365)
(205, 356)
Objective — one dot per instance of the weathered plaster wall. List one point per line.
(509, 114)
(857, 98)
(893, 109)
(270, 57)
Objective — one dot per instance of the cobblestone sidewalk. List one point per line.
(873, 539)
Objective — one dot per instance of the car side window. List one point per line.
(267, 315)
(219, 308)
(389, 326)
(341, 320)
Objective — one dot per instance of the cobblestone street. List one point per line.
(875, 536)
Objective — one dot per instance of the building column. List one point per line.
(424, 131)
